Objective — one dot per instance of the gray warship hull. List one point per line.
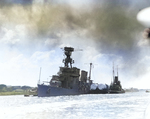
(116, 91)
(47, 91)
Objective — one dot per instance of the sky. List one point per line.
(32, 35)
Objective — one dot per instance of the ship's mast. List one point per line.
(113, 72)
(90, 71)
(40, 75)
(117, 71)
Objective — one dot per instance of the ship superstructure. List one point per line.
(68, 81)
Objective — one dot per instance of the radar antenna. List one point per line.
(67, 52)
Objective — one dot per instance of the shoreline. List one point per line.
(11, 93)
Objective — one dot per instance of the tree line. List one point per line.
(5, 88)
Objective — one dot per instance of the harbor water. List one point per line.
(96, 106)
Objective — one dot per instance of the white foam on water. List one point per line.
(102, 106)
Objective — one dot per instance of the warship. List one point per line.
(68, 81)
(115, 86)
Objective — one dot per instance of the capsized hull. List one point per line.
(98, 91)
(47, 91)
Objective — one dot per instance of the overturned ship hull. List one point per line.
(98, 91)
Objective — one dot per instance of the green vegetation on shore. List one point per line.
(13, 90)
(11, 93)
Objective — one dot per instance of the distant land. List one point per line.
(22, 90)
(13, 90)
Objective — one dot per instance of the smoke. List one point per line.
(115, 31)
(111, 27)
(107, 33)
